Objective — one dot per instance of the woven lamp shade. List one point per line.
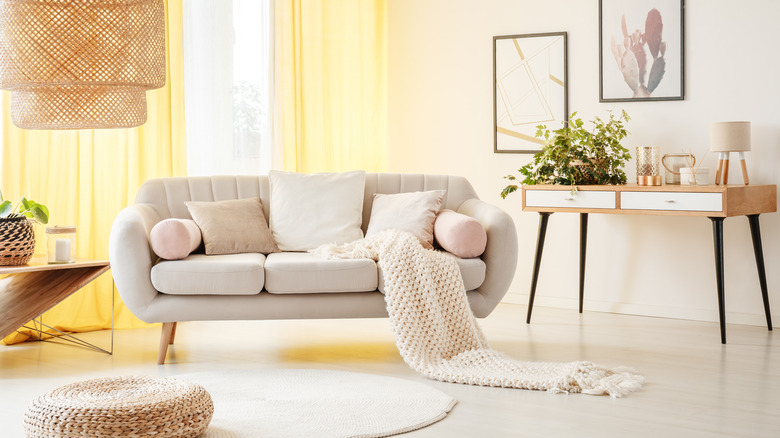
(73, 64)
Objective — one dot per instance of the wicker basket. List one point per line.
(17, 240)
(584, 177)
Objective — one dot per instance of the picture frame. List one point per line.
(530, 88)
(641, 50)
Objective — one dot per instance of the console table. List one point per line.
(29, 290)
(715, 202)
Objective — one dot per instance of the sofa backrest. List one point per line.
(168, 195)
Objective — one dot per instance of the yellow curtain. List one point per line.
(331, 84)
(86, 177)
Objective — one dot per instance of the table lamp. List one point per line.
(728, 137)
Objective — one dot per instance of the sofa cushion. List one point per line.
(414, 212)
(201, 274)
(459, 234)
(300, 273)
(311, 210)
(175, 239)
(471, 270)
(233, 226)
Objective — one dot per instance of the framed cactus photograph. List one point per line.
(641, 50)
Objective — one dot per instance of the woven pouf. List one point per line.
(121, 407)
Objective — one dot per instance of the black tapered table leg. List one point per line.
(583, 245)
(717, 235)
(543, 218)
(755, 231)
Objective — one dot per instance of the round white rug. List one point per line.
(317, 403)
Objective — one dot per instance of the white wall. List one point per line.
(440, 121)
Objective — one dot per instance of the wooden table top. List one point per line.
(40, 263)
(709, 188)
(27, 291)
(737, 199)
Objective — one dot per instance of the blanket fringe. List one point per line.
(351, 250)
(617, 382)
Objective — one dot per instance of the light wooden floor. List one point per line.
(695, 386)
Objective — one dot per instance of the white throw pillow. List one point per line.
(311, 210)
(414, 212)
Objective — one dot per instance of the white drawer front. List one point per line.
(678, 201)
(564, 199)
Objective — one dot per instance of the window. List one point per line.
(227, 86)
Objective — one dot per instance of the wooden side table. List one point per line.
(27, 291)
(715, 202)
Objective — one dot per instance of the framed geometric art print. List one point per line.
(529, 89)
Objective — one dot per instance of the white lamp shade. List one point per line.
(730, 136)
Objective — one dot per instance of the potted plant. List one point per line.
(17, 236)
(573, 155)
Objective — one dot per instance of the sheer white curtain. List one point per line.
(227, 86)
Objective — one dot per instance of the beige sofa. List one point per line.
(282, 285)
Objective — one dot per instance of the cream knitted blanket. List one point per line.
(438, 336)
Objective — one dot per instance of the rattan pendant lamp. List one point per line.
(75, 64)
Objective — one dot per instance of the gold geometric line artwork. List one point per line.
(556, 80)
(535, 90)
(535, 86)
(519, 135)
(519, 50)
(529, 83)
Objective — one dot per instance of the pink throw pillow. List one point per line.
(175, 239)
(459, 234)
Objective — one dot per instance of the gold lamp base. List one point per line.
(649, 180)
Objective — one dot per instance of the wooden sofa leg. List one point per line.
(166, 338)
(173, 333)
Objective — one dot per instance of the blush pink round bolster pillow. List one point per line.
(459, 234)
(175, 239)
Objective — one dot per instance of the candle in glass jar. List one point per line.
(61, 244)
(62, 250)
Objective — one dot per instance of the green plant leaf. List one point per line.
(597, 152)
(6, 208)
(507, 190)
(40, 213)
(25, 204)
(45, 210)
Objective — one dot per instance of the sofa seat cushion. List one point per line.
(201, 274)
(471, 270)
(302, 273)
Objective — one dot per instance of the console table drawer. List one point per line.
(565, 199)
(676, 201)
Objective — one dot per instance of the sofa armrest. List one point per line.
(500, 254)
(131, 257)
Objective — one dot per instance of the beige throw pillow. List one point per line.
(232, 227)
(414, 212)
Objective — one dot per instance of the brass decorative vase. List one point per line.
(647, 166)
